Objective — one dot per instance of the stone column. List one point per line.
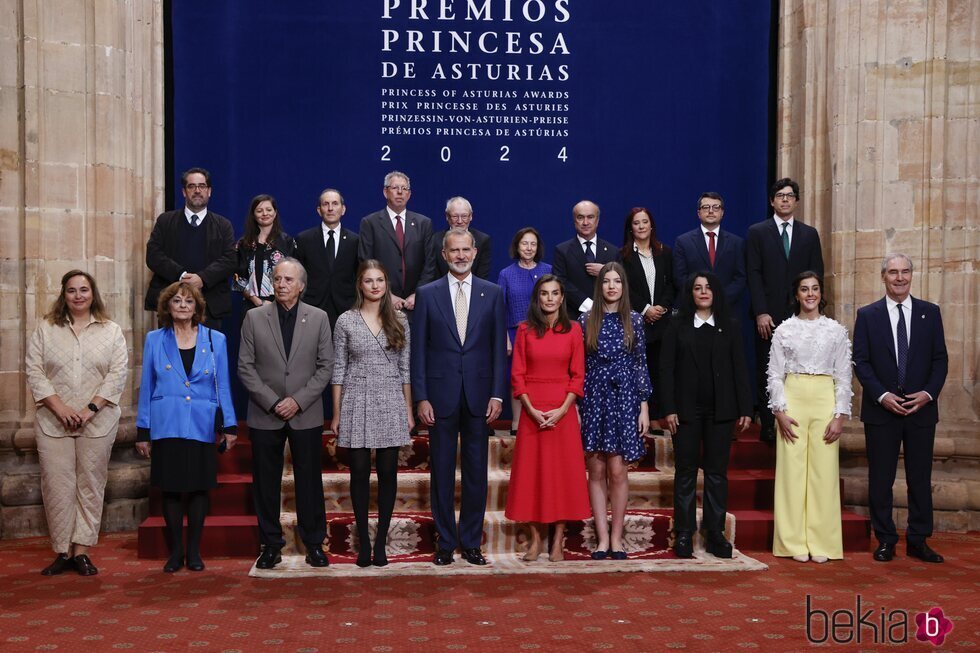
(81, 179)
(878, 120)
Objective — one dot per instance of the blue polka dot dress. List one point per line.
(616, 381)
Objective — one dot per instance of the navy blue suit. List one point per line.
(691, 255)
(568, 264)
(458, 379)
(876, 367)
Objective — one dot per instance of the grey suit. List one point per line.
(377, 240)
(270, 375)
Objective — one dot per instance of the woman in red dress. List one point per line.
(547, 479)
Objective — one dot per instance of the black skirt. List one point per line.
(180, 465)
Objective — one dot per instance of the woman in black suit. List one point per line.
(649, 268)
(705, 393)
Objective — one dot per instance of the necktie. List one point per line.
(196, 220)
(460, 308)
(711, 248)
(589, 254)
(785, 226)
(331, 247)
(400, 235)
(902, 335)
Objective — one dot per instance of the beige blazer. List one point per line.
(269, 375)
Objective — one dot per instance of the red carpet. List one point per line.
(132, 606)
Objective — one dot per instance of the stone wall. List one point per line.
(878, 120)
(81, 179)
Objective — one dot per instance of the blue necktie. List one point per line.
(902, 335)
(589, 254)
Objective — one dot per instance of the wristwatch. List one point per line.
(92, 407)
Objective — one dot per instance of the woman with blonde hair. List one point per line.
(76, 368)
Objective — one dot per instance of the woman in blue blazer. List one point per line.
(184, 400)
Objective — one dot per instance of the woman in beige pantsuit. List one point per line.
(76, 368)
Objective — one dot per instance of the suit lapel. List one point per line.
(577, 253)
(202, 353)
(917, 325)
(884, 328)
(703, 249)
(387, 227)
(272, 318)
(478, 301)
(173, 353)
(299, 329)
(442, 291)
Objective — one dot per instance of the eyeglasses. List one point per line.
(461, 216)
(399, 189)
(196, 186)
(785, 196)
(710, 207)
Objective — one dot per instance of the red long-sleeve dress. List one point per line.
(548, 482)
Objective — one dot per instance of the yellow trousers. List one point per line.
(807, 501)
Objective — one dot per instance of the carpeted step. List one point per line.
(233, 496)
(755, 530)
(238, 460)
(411, 537)
(224, 535)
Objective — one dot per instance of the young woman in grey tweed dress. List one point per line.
(372, 400)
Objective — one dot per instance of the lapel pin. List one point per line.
(413, 224)
(923, 316)
(481, 295)
(303, 320)
(719, 330)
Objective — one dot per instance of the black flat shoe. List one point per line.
(600, 554)
(920, 551)
(474, 557)
(618, 555)
(443, 557)
(84, 566)
(174, 564)
(269, 558)
(194, 563)
(61, 564)
(717, 545)
(363, 558)
(315, 557)
(683, 546)
(380, 558)
(885, 552)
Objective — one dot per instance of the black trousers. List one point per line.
(701, 443)
(653, 368)
(267, 460)
(882, 442)
(766, 417)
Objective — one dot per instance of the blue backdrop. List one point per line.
(648, 103)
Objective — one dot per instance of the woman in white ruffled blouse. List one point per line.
(809, 393)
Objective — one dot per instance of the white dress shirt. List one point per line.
(394, 223)
(707, 241)
(454, 288)
(789, 227)
(189, 215)
(893, 320)
(336, 237)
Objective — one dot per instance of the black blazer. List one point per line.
(679, 372)
(377, 241)
(663, 290)
(481, 265)
(568, 264)
(770, 273)
(691, 255)
(329, 290)
(220, 251)
(877, 368)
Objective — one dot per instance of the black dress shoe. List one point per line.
(885, 552)
(922, 552)
(443, 557)
(269, 557)
(683, 546)
(474, 557)
(195, 563)
(716, 544)
(84, 566)
(315, 557)
(174, 563)
(768, 434)
(60, 565)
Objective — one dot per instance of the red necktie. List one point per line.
(400, 235)
(711, 248)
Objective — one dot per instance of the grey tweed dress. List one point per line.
(372, 404)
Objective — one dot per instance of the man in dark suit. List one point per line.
(400, 239)
(900, 358)
(459, 215)
(577, 261)
(459, 377)
(777, 250)
(285, 362)
(329, 252)
(194, 245)
(710, 248)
